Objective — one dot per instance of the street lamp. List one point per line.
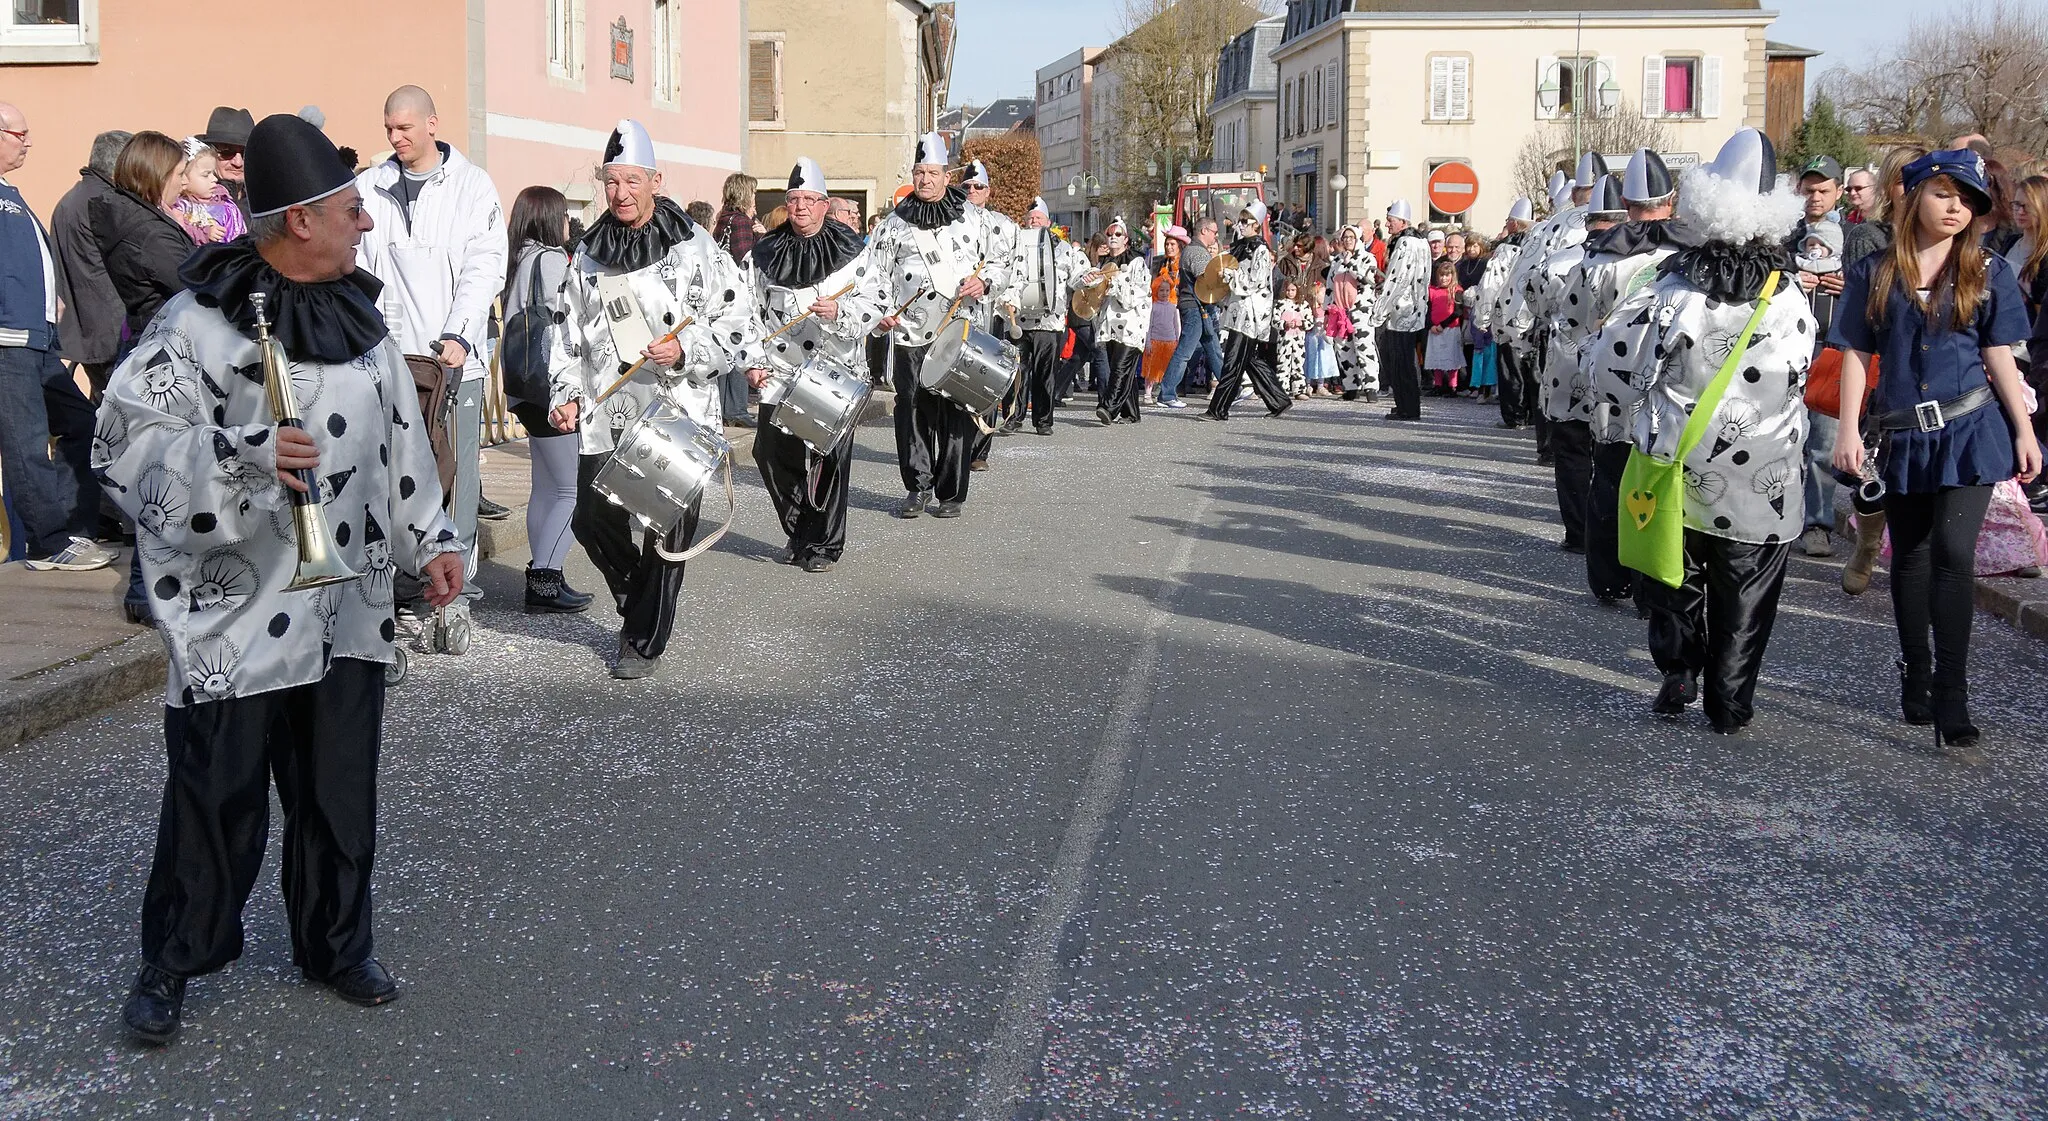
(1337, 185)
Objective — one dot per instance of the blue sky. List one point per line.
(1004, 42)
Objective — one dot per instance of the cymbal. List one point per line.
(1210, 287)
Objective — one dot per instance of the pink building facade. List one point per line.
(528, 89)
(555, 76)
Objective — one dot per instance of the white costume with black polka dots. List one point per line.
(1599, 285)
(695, 280)
(1293, 344)
(1126, 315)
(900, 271)
(186, 445)
(844, 338)
(1662, 347)
(1562, 390)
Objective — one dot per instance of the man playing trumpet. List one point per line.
(267, 679)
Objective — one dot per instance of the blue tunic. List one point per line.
(1921, 362)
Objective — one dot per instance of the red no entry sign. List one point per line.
(1453, 187)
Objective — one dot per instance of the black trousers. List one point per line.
(644, 587)
(1246, 357)
(934, 436)
(1401, 369)
(1934, 577)
(878, 359)
(1088, 355)
(1123, 391)
(809, 490)
(1719, 620)
(1517, 376)
(1605, 574)
(1571, 443)
(319, 742)
(1038, 369)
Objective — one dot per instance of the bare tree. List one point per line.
(1550, 148)
(1981, 68)
(1161, 78)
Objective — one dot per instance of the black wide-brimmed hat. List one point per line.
(290, 163)
(228, 126)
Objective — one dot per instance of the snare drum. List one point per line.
(969, 366)
(820, 403)
(663, 461)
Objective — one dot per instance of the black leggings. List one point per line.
(1934, 582)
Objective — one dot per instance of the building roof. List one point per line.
(1004, 115)
(1245, 65)
(1775, 49)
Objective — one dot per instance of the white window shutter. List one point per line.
(1439, 88)
(1550, 78)
(1332, 100)
(1709, 93)
(1653, 86)
(1461, 89)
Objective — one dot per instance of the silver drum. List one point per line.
(820, 403)
(663, 461)
(969, 366)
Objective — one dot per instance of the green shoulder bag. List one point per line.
(1653, 490)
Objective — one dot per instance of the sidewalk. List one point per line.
(66, 652)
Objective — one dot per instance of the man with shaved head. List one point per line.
(438, 244)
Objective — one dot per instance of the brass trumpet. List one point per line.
(320, 562)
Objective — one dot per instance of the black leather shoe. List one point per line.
(364, 983)
(947, 510)
(155, 1003)
(491, 511)
(978, 465)
(1680, 690)
(787, 556)
(914, 504)
(818, 563)
(739, 422)
(547, 593)
(138, 614)
(1041, 430)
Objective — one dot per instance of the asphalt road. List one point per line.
(1270, 769)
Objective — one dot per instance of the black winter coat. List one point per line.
(142, 247)
(90, 329)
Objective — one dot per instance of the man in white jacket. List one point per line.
(439, 247)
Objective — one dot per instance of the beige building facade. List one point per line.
(1377, 98)
(851, 87)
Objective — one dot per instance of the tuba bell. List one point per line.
(320, 562)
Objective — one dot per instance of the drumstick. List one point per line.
(635, 367)
(807, 314)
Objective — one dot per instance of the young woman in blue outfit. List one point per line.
(1948, 418)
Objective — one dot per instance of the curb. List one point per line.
(2023, 603)
(48, 699)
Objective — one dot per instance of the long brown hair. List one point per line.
(1960, 286)
(147, 164)
(1891, 173)
(2034, 190)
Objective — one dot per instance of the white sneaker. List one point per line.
(1176, 403)
(82, 555)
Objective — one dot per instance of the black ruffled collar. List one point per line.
(1129, 254)
(1629, 239)
(329, 322)
(933, 215)
(616, 245)
(791, 260)
(1513, 238)
(1728, 272)
(1244, 247)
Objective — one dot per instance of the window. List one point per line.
(1450, 87)
(1681, 86)
(565, 38)
(764, 81)
(667, 90)
(50, 31)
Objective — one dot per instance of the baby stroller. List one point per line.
(444, 630)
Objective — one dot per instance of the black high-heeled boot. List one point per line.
(1913, 685)
(548, 593)
(1952, 727)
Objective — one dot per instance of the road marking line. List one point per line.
(1019, 1038)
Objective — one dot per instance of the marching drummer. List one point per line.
(927, 257)
(1048, 268)
(808, 278)
(647, 283)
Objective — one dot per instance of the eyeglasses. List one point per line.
(20, 134)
